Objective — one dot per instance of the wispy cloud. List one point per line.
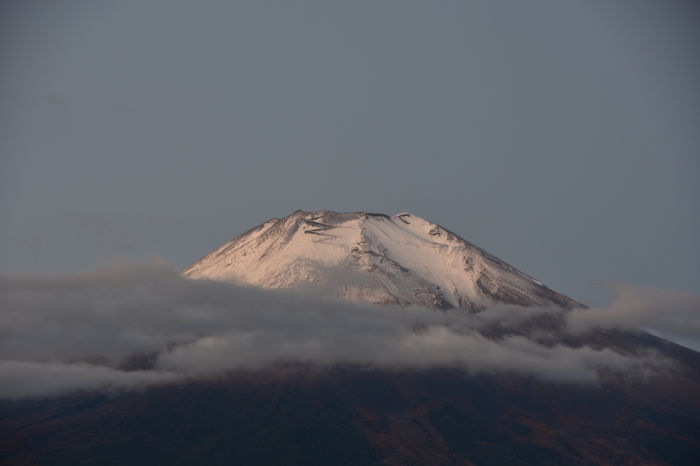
(83, 331)
(670, 313)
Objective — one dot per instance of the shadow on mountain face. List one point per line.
(345, 415)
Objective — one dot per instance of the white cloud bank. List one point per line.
(82, 332)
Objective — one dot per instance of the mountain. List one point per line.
(346, 415)
(375, 258)
(349, 414)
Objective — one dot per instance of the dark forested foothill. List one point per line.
(349, 415)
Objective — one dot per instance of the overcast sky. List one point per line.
(561, 136)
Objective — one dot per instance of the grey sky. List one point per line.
(560, 136)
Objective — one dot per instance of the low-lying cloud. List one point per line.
(672, 314)
(128, 326)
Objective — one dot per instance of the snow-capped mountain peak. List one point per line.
(375, 258)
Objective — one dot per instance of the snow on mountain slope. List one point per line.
(374, 258)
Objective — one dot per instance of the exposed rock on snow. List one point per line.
(374, 258)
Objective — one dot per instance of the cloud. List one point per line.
(32, 379)
(670, 313)
(92, 330)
